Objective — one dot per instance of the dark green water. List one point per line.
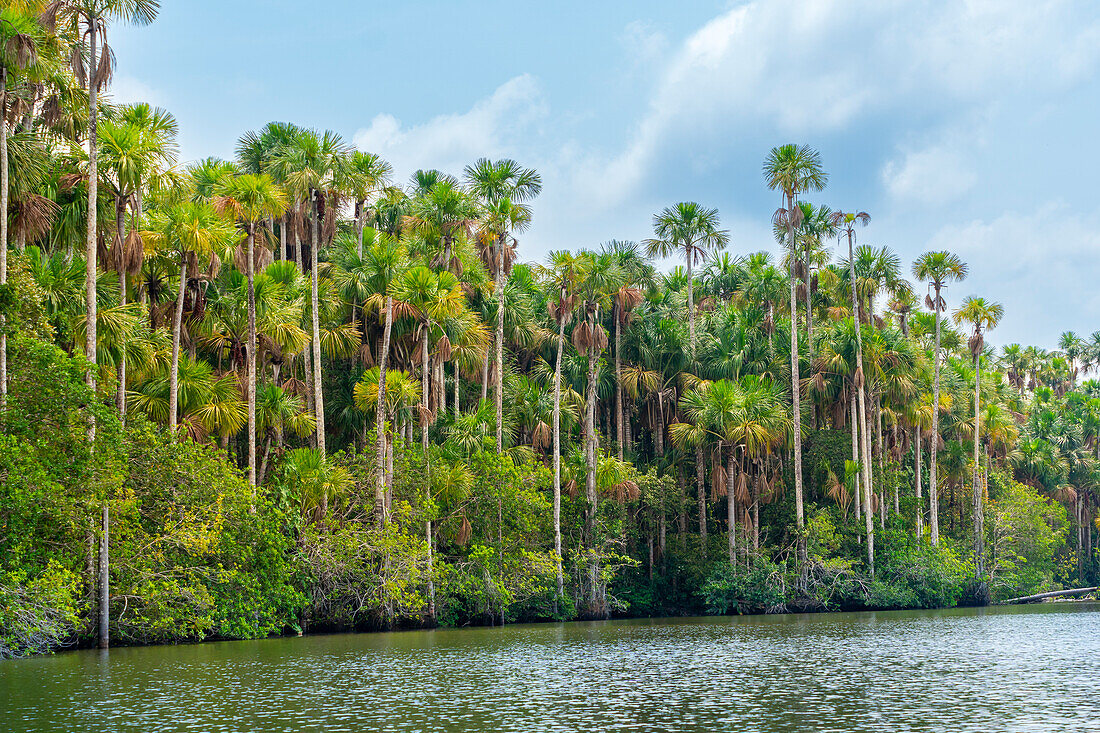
(1010, 669)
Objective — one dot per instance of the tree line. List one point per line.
(360, 381)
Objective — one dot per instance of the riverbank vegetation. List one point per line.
(289, 391)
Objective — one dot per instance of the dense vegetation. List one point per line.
(285, 392)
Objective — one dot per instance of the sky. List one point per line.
(965, 125)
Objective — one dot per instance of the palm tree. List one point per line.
(693, 230)
(94, 72)
(429, 297)
(634, 273)
(441, 214)
(498, 218)
(136, 149)
(19, 38)
(276, 411)
(590, 339)
(92, 67)
(188, 231)
(565, 272)
(503, 187)
(793, 170)
(257, 153)
(846, 222)
(937, 269)
(384, 259)
(744, 415)
(982, 315)
(362, 176)
(310, 165)
(251, 199)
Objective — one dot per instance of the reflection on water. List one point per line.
(1012, 669)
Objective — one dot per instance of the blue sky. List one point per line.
(969, 126)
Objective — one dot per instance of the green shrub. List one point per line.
(731, 589)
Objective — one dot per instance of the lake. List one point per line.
(1024, 668)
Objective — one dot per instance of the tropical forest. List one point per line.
(294, 392)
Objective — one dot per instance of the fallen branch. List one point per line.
(1052, 594)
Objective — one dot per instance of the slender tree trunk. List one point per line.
(659, 428)
(263, 461)
(3, 233)
(810, 331)
(933, 446)
(458, 384)
(691, 307)
(499, 392)
(855, 456)
(731, 503)
(424, 382)
(105, 577)
(120, 230)
(318, 396)
(619, 386)
(177, 325)
(920, 498)
(381, 481)
(796, 399)
(1080, 519)
(295, 247)
(865, 447)
(756, 512)
(979, 529)
(557, 455)
(251, 271)
(280, 252)
(485, 376)
(91, 244)
(590, 476)
(701, 497)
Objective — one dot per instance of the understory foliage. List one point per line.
(300, 394)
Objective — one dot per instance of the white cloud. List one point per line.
(798, 68)
(936, 174)
(642, 43)
(126, 89)
(1041, 265)
(493, 127)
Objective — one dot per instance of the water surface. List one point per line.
(1020, 669)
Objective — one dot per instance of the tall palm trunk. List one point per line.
(557, 454)
(177, 325)
(380, 513)
(933, 447)
(318, 396)
(424, 385)
(457, 386)
(731, 503)
(619, 385)
(250, 269)
(3, 233)
(854, 420)
(865, 442)
(280, 253)
(499, 344)
(701, 497)
(590, 475)
(979, 533)
(809, 327)
(90, 341)
(796, 399)
(90, 243)
(691, 306)
(120, 230)
(920, 497)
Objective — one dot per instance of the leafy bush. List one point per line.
(731, 589)
(38, 614)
